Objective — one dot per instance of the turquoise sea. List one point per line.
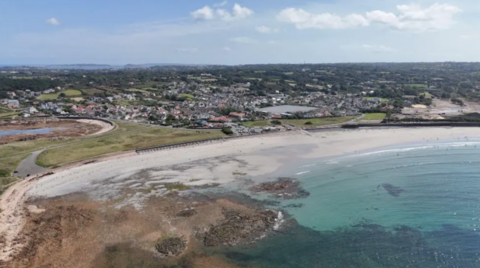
(415, 205)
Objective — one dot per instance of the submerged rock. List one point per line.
(240, 228)
(172, 246)
(286, 188)
(392, 190)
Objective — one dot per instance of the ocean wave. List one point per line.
(303, 172)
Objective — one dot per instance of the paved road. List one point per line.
(29, 167)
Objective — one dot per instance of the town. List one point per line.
(242, 99)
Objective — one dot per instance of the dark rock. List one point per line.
(187, 213)
(392, 190)
(172, 246)
(240, 228)
(286, 188)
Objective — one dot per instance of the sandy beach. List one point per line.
(216, 163)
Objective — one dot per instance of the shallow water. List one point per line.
(45, 130)
(412, 206)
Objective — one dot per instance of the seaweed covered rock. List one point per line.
(172, 246)
(187, 213)
(240, 228)
(286, 188)
(392, 190)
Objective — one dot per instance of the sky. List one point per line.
(237, 32)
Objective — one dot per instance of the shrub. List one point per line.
(4, 173)
(227, 131)
(276, 122)
(308, 123)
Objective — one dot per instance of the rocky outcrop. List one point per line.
(172, 246)
(285, 188)
(240, 228)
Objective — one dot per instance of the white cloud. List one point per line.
(305, 20)
(53, 21)
(409, 18)
(367, 47)
(265, 29)
(379, 48)
(243, 40)
(224, 3)
(204, 13)
(226, 49)
(238, 12)
(417, 19)
(187, 50)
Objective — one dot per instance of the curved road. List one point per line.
(29, 167)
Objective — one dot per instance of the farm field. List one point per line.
(68, 93)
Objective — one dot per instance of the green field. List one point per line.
(8, 165)
(417, 85)
(136, 90)
(381, 99)
(127, 137)
(91, 91)
(302, 122)
(8, 115)
(375, 116)
(262, 123)
(68, 93)
(426, 95)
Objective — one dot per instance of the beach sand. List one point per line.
(217, 163)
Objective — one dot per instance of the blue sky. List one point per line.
(237, 32)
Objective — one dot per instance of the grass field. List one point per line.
(127, 137)
(8, 165)
(68, 93)
(91, 91)
(381, 99)
(375, 116)
(136, 90)
(417, 85)
(302, 122)
(8, 115)
(426, 94)
(262, 123)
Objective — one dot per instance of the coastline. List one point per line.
(204, 164)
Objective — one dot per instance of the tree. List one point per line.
(227, 131)
(62, 95)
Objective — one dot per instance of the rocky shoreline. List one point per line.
(282, 188)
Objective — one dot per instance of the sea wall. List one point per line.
(424, 124)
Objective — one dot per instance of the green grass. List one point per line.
(381, 99)
(8, 115)
(426, 94)
(127, 137)
(375, 116)
(318, 121)
(188, 97)
(302, 122)
(91, 91)
(262, 123)
(68, 93)
(136, 90)
(417, 85)
(8, 165)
